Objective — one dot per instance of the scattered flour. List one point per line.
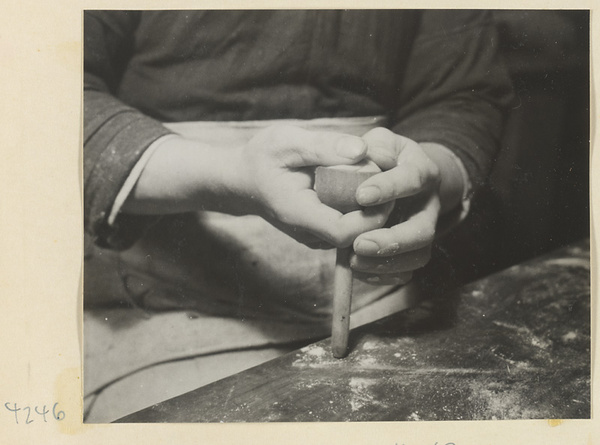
(316, 352)
(360, 392)
(369, 345)
(414, 416)
(367, 361)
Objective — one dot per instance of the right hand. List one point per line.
(277, 175)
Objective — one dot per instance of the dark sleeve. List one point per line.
(456, 89)
(115, 135)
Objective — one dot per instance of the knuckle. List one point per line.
(340, 239)
(278, 134)
(380, 133)
(381, 137)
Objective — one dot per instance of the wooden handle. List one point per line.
(342, 302)
(336, 187)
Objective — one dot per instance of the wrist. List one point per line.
(454, 186)
(183, 175)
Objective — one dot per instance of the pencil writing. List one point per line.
(26, 415)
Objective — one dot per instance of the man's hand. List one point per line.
(412, 180)
(277, 173)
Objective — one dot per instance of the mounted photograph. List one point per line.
(336, 215)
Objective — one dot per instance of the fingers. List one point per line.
(308, 214)
(414, 173)
(308, 239)
(286, 149)
(407, 262)
(384, 254)
(296, 147)
(409, 170)
(396, 279)
(384, 147)
(355, 223)
(403, 248)
(417, 232)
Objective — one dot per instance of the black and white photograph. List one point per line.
(335, 215)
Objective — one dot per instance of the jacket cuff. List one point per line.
(115, 140)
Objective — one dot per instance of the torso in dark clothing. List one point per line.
(247, 65)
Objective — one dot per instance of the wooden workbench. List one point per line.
(511, 346)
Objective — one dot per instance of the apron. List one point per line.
(205, 283)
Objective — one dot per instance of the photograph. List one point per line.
(335, 215)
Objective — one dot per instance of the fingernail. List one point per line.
(366, 247)
(350, 147)
(368, 195)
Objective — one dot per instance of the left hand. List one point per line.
(411, 179)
